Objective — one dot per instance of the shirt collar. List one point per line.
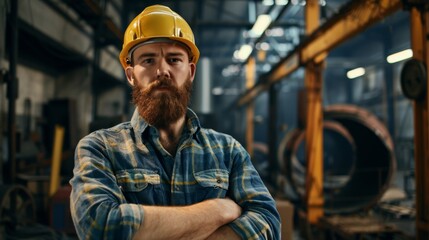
(140, 125)
(192, 121)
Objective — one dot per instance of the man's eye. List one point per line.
(147, 60)
(174, 60)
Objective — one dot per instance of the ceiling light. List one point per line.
(357, 72)
(281, 2)
(400, 56)
(244, 52)
(217, 91)
(277, 2)
(261, 24)
(267, 2)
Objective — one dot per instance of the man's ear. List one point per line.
(129, 74)
(192, 69)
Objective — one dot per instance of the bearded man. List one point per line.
(162, 175)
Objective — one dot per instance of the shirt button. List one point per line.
(219, 180)
(177, 187)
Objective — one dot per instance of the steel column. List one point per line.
(419, 31)
(314, 124)
(126, 9)
(97, 42)
(3, 13)
(274, 167)
(12, 90)
(250, 109)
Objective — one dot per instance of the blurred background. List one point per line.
(328, 96)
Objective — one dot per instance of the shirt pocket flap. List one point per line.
(135, 180)
(217, 178)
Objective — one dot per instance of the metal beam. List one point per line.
(351, 19)
(12, 93)
(273, 161)
(292, 64)
(210, 25)
(358, 16)
(314, 124)
(419, 24)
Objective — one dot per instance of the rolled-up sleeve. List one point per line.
(260, 218)
(98, 207)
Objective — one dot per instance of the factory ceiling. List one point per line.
(220, 27)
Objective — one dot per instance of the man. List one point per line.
(161, 175)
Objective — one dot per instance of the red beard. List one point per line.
(163, 108)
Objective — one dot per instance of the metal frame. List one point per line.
(352, 19)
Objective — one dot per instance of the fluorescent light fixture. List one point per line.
(277, 2)
(281, 2)
(261, 24)
(268, 2)
(217, 91)
(244, 52)
(357, 72)
(400, 56)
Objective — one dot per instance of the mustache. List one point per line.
(162, 82)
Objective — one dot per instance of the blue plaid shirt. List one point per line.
(117, 170)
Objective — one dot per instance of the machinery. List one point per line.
(359, 159)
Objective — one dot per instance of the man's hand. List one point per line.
(232, 211)
(228, 208)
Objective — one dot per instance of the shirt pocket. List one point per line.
(138, 184)
(214, 182)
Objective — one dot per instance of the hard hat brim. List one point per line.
(126, 52)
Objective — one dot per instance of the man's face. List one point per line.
(162, 81)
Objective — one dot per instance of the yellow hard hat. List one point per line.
(154, 22)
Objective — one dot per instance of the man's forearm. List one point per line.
(224, 232)
(196, 221)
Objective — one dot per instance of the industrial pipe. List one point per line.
(358, 159)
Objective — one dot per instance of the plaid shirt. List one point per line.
(118, 170)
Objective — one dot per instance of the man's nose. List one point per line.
(163, 70)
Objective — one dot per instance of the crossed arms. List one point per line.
(101, 211)
(204, 220)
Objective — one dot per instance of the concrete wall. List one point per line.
(48, 21)
(75, 84)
